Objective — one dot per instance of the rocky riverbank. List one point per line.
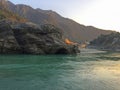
(109, 42)
(28, 38)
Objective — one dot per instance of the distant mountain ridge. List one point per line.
(71, 29)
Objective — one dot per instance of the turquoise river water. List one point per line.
(90, 70)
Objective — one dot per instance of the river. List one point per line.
(89, 70)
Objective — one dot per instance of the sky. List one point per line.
(104, 14)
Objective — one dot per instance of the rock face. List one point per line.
(108, 42)
(28, 38)
(8, 43)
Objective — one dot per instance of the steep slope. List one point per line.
(71, 29)
(7, 14)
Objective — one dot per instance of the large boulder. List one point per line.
(28, 38)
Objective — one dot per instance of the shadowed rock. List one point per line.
(28, 38)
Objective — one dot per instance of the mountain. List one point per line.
(107, 42)
(18, 36)
(71, 29)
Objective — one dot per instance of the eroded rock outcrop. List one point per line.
(8, 43)
(28, 38)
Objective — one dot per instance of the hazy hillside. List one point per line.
(109, 42)
(71, 29)
(7, 14)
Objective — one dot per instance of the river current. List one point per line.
(89, 70)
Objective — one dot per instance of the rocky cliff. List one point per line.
(28, 38)
(107, 42)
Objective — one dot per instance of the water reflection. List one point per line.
(108, 69)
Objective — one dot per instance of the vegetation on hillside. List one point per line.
(6, 14)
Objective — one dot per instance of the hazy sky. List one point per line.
(103, 14)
